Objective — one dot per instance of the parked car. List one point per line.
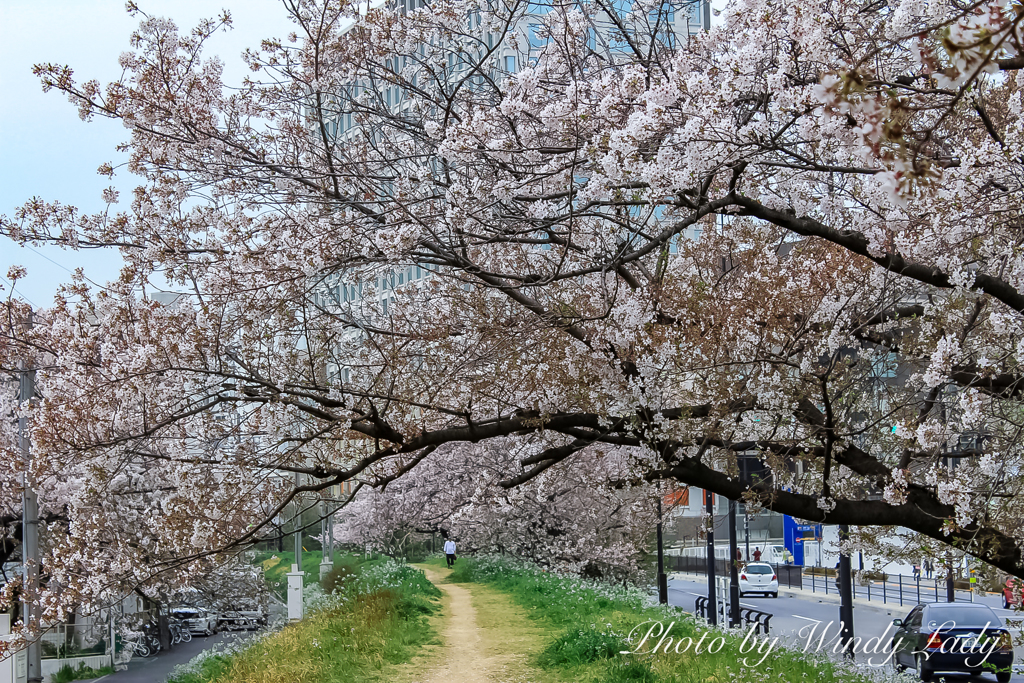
(952, 637)
(242, 619)
(1012, 593)
(759, 577)
(196, 619)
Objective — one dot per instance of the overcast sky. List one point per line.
(45, 149)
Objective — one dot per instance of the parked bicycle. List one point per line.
(179, 633)
(144, 645)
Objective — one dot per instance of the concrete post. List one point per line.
(296, 610)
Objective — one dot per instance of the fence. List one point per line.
(75, 645)
(62, 641)
(761, 621)
(898, 589)
(790, 575)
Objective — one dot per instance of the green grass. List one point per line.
(277, 565)
(376, 617)
(592, 623)
(66, 674)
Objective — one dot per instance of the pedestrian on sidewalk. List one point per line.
(757, 554)
(449, 552)
(928, 569)
(917, 572)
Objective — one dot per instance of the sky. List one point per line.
(46, 151)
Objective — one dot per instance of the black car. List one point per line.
(953, 637)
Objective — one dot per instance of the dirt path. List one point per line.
(486, 639)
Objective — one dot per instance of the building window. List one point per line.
(510, 64)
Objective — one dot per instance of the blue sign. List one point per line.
(796, 533)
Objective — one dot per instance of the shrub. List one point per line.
(630, 670)
(583, 645)
(340, 575)
(66, 674)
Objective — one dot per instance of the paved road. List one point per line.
(795, 612)
(155, 669)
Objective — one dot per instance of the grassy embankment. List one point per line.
(376, 616)
(276, 566)
(589, 623)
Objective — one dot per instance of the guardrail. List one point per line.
(891, 589)
(761, 621)
(790, 575)
(895, 589)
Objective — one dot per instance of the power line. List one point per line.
(15, 289)
(60, 265)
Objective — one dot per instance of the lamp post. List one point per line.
(845, 593)
(950, 586)
(734, 580)
(662, 578)
(709, 507)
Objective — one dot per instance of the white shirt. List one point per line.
(449, 547)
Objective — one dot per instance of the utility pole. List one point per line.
(326, 540)
(295, 577)
(298, 527)
(845, 593)
(734, 574)
(29, 524)
(662, 578)
(712, 598)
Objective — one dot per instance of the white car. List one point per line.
(759, 577)
(197, 619)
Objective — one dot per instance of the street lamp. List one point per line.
(662, 578)
(845, 592)
(709, 507)
(734, 581)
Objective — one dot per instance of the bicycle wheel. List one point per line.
(186, 636)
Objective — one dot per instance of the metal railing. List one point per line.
(899, 589)
(61, 641)
(896, 589)
(761, 621)
(790, 575)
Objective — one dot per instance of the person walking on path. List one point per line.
(928, 569)
(449, 552)
(757, 554)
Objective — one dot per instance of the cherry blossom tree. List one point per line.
(793, 239)
(571, 518)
